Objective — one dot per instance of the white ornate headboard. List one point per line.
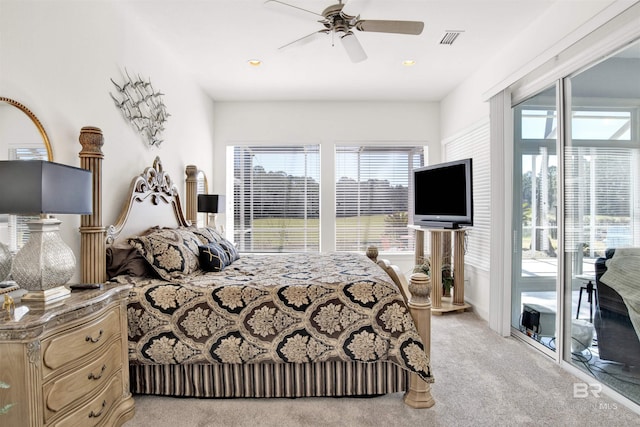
(152, 200)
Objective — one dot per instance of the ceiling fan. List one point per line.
(340, 23)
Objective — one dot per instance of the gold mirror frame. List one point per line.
(36, 122)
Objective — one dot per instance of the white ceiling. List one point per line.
(215, 38)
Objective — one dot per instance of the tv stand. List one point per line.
(439, 303)
(447, 225)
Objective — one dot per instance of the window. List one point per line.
(536, 133)
(202, 187)
(276, 198)
(601, 176)
(600, 160)
(473, 143)
(373, 184)
(27, 152)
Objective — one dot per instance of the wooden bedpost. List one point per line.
(92, 233)
(372, 253)
(417, 294)
(419, 393)
(192, 194)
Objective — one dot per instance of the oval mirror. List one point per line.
(22, 137)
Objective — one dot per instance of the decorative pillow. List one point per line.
(230, 249)
(173, 253)
(213, 257)
(206, 234)
(127, 262)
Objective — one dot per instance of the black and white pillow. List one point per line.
(230, 249)
(213, 257)
(206, 234)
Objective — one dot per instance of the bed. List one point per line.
(285, 325)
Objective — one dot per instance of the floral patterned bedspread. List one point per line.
(291, 308)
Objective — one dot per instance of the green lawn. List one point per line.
(271, 233)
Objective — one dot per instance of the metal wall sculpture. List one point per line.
(143, 107)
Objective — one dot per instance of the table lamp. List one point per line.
(5, 262)
(211, 204)
(37, 187)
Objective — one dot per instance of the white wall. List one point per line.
(325, 123)
(57, 58)
(562, 25)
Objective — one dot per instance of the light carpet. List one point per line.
(482, 379)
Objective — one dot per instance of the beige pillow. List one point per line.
(172, 253)
(206, 234)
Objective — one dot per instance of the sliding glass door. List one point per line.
(535, 227)
(576, 222)
(602, 221)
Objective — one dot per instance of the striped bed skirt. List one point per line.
(269, 379)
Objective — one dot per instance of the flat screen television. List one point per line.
(443, 195)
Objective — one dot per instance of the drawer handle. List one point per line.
(97, 414)
(94, 340)
(93, 376)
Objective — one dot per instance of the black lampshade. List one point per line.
(30, 187)
(211, 203)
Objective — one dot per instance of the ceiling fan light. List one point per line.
(353, 47)
(254, 62)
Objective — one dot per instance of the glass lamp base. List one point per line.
(45, 261)
(5, 262)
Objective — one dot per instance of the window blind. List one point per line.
(600, 162)
(276, 198)
(599, 195)
(28, 153)
(476, 145)
(373, 188)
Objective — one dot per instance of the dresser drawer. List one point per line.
(97, 409)
(81, 340)
(83, 381)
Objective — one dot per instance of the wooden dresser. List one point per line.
(66, 363)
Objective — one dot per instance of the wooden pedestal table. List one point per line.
(439, 303)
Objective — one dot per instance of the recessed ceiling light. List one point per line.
(408, 62)
(254, 62)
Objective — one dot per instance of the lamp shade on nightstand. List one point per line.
(32, 187)
(211, 203)
(38, 187)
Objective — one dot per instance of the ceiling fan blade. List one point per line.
(295, 7)
(353, 47)
(306, 39)
(398, 27)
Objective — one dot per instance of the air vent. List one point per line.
(449, 37)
